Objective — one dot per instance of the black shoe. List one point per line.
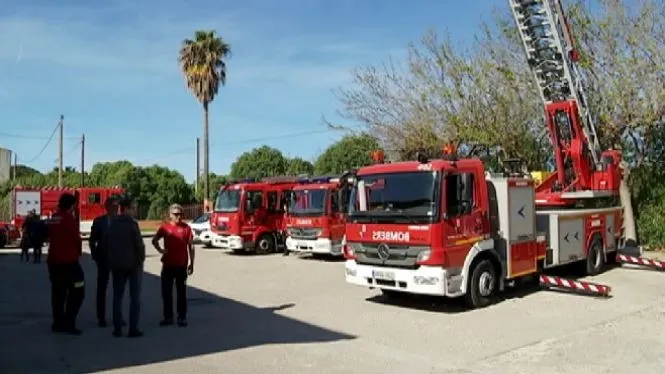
(286, 253)
(117, 333)
(102, 323)
(182, 322)
(135, 334)
(166, 322)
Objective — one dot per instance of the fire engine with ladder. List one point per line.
(316, 215)
(447, 227)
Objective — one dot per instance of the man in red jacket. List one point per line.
(65, 272)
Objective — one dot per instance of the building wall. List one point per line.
(5, 164)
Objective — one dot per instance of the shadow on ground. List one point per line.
(519, 290)
(217, 324)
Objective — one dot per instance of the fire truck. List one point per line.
(44, 201)
(447, 227)
(316, 215)
(249, 215)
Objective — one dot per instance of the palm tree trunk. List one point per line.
(206, 145)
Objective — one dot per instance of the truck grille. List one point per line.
(304, 233)
(400, 256)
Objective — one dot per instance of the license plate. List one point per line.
(383, 275)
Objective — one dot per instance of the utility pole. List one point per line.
(83, 160)
(15, 166)
(198, 165)
(60, 143)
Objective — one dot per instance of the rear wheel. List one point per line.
(595, 261)
(265, 244)
(483, 285)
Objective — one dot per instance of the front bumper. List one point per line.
(426, 280)
(319, 246)
(227, 241)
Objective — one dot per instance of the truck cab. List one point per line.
(249, 215)
(316, 216)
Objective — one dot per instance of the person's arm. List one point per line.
(190, 247)
(155, 239)
(138, 242)
(93, 240)
(75, 231)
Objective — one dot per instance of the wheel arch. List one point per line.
(482, 250)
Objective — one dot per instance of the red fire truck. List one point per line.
(316, 216)
(44, 201)
(446, 227)
(249, 215)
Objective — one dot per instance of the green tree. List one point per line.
(203, 63)
(109, 173)
(351, 151)
(259, 163)
(298, 166)
(216, 181)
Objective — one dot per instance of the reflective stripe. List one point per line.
(78, 284)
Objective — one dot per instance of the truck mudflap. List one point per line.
(549, 281)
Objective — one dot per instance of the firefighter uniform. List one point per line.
(65, 272)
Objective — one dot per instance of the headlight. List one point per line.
(424, 255)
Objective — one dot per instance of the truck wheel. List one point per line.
(265, 244)
(595, 263)
(482, 285)
(3, 241)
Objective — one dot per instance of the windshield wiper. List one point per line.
(401, 213)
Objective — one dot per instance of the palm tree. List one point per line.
(202, 61)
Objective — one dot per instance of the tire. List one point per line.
(3, 241)
(595, 261)
(265, 244)
(482, 286)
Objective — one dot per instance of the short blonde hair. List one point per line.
(175, 207)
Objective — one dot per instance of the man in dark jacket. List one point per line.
(65, 272)
(100, 255)
(126, 255)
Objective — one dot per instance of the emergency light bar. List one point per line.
(320, 179)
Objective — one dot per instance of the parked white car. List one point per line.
(201, 228)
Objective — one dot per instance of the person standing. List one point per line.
(65, 272)
(100, 255)
(39, 234)
(177, 252)
(126, 255)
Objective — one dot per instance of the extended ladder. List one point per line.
(551, 56)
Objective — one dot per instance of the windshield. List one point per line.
(227, 201)
(308, 202)
(202, 218)
(411, 195)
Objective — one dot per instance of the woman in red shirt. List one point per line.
(177, 264)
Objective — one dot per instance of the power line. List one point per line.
(246, 141)
(32, 137)
(44, 147)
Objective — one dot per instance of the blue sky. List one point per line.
(111, 70)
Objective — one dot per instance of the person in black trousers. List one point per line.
(65, 272)
(178, 251)
(100, 255)
(126, 256)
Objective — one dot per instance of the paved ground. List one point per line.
(273, 314)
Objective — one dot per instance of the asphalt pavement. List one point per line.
(275, 314)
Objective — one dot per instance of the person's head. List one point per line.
(111, 206)
(175, 213)
(67, 202)
(127, 206)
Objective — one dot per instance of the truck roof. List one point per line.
(415, 166)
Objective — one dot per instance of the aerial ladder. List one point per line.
(583, 170)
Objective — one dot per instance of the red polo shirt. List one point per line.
(177, 237)
(64, 239)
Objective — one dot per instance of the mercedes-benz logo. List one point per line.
(383, 251)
